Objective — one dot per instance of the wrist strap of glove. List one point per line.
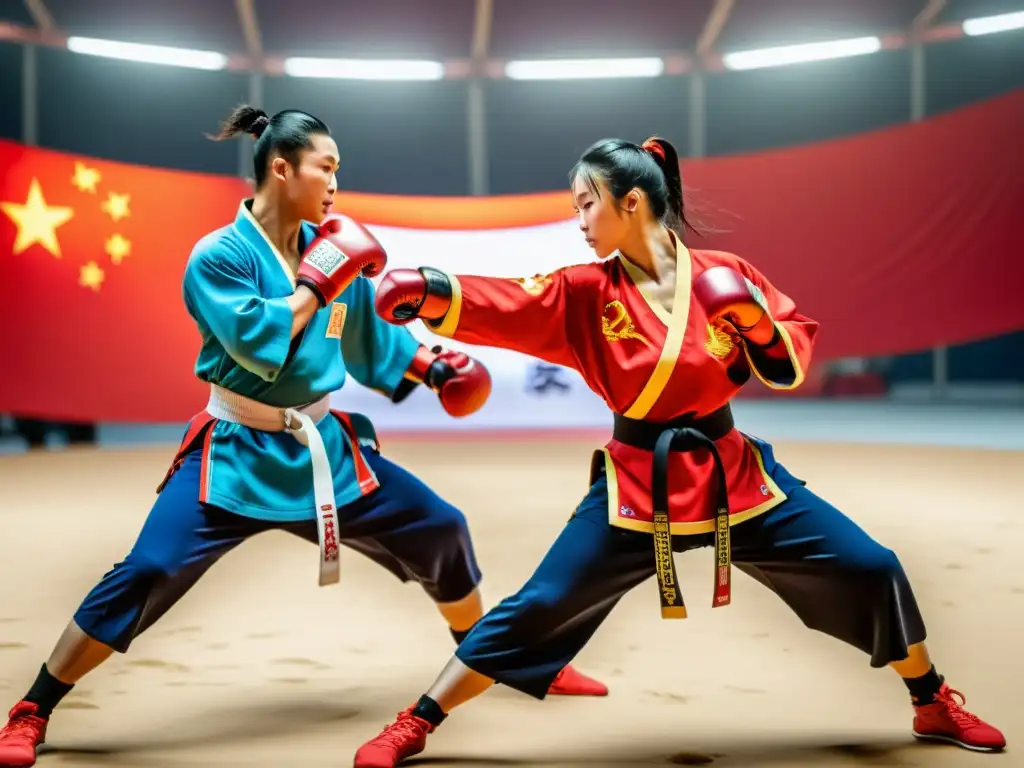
(438, 297)
(303, 280)
(418, 372)
(420, 365)
(426, 369)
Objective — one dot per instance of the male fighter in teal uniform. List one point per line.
(285, 310)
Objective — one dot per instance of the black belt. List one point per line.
(682, 436)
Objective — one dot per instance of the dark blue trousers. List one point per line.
(403, 526)
(835, 577)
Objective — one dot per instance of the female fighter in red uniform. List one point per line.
(667, 336)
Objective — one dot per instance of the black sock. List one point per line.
(459, 634)
(428, 709)
(923, 689)
(47, 691)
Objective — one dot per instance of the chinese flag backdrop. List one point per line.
(897, 241)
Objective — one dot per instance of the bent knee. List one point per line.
(448, 523)
(879, 560)
(149, 566)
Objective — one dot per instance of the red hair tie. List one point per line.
(654, 148)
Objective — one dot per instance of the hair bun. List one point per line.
(653, 146)
(258, 125)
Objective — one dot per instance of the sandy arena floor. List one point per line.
(257, 666)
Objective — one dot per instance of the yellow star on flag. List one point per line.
(91, 276)
(36, 221)
(116, 206)
(85, 178)
(117, 248)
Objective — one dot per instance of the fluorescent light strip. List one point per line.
(796, 54)
(986, 25)
(364, 69)
(578, 69)
(149, 54)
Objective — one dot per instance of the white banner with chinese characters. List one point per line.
(527, 393)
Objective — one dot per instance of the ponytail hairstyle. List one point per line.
(286, 134)
(652, 166)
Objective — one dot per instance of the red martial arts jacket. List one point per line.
(646, 364)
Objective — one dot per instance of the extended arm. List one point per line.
(389, 359)
(522, 315)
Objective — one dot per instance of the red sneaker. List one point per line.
(405, 737)
(24, 731)
(571, 682)
(947, 720)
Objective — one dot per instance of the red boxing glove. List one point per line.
(405, 294)
(728, 296)
(342, 250)
(462, 383)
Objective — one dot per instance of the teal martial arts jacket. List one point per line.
(235, 288)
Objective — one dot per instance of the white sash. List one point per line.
(301, 424)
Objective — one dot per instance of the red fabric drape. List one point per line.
(896, 241)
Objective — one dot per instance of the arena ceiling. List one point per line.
(483, 30)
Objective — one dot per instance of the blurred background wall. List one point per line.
(477, 131)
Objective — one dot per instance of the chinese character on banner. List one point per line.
(542, 378)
